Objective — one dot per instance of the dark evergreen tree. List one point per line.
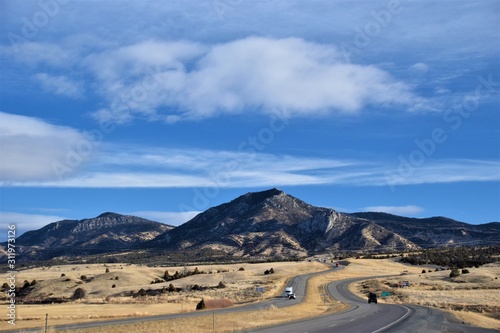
(201, 305)
(79, 293)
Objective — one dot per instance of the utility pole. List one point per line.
(46, 322)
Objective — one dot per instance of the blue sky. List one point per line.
(165, 109)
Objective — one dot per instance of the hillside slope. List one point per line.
(274, 223)
(104, 233)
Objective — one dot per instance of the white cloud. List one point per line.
(37, 53)
(34, 150)
(396, 210)
(141, 167)
(183, 80)
(60, 85)
(440, 172)
(419, 67)
(25, 222)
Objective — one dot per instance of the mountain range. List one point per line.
(269, 223)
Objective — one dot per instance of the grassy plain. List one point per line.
(473, 297)
(103, 301)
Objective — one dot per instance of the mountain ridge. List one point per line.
(255, 224)
(104, 233)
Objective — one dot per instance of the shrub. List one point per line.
(221, 285)
(113, 286)
(157, 281)
(5, 286)
(465, 271)
(26, 284)
(117, 278)
(79, 293)
(424, 271)
(201, 305)
(33, 283)
(83, 277)
(269, 271)
(171, 288)
(454, 273)
(141, 292)
(63, 275)
(107, 270)
(241, 269)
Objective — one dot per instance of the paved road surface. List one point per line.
(298, 283)
(361, 317)
(374, 318)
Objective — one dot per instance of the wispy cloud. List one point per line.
(60, 85)
(443, 171)
(145, 167)
(32, 149)
(419, 67)
(25, 222)
(36, 54)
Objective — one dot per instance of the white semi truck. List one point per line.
(289, 292)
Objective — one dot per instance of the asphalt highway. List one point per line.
(362, 317)
(298, 283)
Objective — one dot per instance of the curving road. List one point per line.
(362, 317)
(298, 283)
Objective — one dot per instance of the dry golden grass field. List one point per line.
(473, 297)
(103, 302)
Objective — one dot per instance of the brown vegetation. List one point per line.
(475, 292)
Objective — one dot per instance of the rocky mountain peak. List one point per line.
(255, 198)
(108, 215)
(266, 223)
(106, 232)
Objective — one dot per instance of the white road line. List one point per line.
(395, 322)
